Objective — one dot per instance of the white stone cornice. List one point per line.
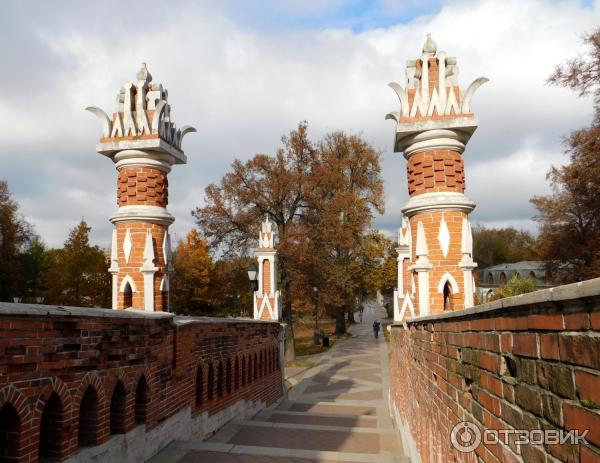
(440, 200)
(435, 135)
(143, 158)
(141, 213)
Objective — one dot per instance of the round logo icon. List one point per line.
(465, 437)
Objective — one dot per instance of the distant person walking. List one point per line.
(376, 326)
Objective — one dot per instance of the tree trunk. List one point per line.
(340, 322)
(290, 350)
(351, 308)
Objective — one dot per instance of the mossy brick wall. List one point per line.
(46, 351)
(527, 362)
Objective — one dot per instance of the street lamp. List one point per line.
(253, 276)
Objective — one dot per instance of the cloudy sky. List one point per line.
(246, 72)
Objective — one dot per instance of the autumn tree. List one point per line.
(569, 218)
(375, 267)
(16, 237)
(78, 273)
(275, 186)
(319, 196)
(346, 192)
(190, 279)
(492, 246)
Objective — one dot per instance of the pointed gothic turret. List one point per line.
(266, 298)
(433, 125)
(143, 142)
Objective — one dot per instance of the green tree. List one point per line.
(78, 272)
(569, 218)
(492, 246)
(515, 286)
(15, 237)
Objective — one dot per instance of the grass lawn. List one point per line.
(304, 330)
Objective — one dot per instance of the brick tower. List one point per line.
(435, 246)
(266, 298)
(142, 141)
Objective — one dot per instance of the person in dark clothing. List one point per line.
(376, 326)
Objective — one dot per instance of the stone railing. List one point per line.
(530, 362)
(93, 384)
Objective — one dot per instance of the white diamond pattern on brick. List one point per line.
(444, 237)
(127, 246)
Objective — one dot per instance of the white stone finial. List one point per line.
(429, 47)
(265, 236)
(143, 74)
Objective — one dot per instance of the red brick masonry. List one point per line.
(71, 377)
(526, 362)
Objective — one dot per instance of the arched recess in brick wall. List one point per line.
(273, 366)
(228, 376)
(532, 274)
(210, 382)
(244, 372)
(53, 412)
(118, 409)
(142, 398)
(277, 358)
(263, 363)
(255, 375)
(490, 278)
(250, 368)
(88, 418)
(448, 305)
(14, 413)
(220, 379)
(10, 433)
(236, 373)
(199, 386)
(502, 278)
(52, 429)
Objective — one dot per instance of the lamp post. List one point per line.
(317, 336)
(253, 277)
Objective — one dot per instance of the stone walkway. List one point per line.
(337, 413)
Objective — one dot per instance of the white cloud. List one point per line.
(243, 87)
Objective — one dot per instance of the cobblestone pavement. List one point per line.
(336, 413)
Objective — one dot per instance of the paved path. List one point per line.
(337, 413)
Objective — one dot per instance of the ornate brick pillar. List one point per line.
(144, 144)
(434, 125)
(266, 298)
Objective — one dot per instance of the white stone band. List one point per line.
(153, 214)
(137, 158)
(440, 200)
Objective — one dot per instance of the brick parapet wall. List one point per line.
(526, 362)
(46, 350)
